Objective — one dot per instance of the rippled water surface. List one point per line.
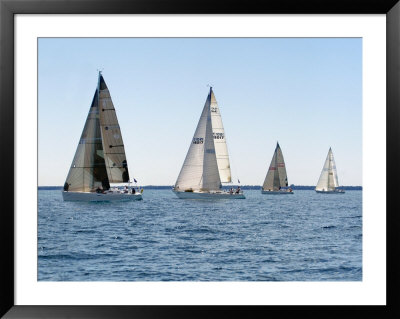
(301, 237)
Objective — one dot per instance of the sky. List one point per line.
(305, 93)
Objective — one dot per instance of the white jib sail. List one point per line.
(200, 170)
(221, 148)
(328, 179)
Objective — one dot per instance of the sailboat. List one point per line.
(100, 156)
(276, 177)
(206, 165)
(328, 181)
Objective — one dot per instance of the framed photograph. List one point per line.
(275, 99)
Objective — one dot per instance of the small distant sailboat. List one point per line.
(206, 165)
(100, 156)
(328, 181)
(276, 179)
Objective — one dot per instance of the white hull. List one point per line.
(99, 197)
(339, 191)
(276, 192)
(207, 195)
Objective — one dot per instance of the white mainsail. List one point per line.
(328, 179)
(200, 169)
(221, 149)
(100, 156)
(276, 175)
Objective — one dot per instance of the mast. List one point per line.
(276, 171)
(330, 169)
(92, 153)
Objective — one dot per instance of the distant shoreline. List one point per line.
(294, 187)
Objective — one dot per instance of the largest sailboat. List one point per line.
(100, 156)
(206, 165)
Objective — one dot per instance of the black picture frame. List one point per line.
(8, 8)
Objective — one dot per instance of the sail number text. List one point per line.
(198, 140)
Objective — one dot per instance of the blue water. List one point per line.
(301, 237)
